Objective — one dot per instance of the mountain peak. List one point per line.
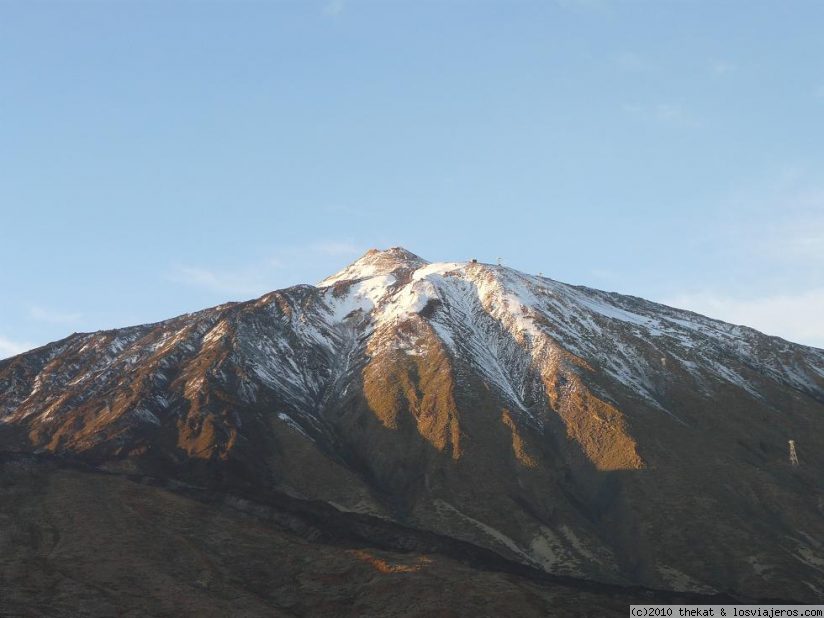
(376, 262)
(463, 401)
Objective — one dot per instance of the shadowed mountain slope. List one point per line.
(578, 433)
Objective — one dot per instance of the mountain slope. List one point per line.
(578, 432)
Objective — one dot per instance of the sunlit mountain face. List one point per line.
(406, 423)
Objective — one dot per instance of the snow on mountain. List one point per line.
(557, 425)
(601, 327)
(506, 323)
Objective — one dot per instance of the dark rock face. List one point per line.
(572, 432)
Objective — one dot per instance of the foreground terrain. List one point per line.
(77, 542)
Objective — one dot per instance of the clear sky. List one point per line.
(161, 157)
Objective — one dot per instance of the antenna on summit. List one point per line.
(793, 454)
(499, 261)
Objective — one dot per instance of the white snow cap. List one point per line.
(477, 300)
(376, 262)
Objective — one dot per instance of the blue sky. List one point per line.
(161, 157)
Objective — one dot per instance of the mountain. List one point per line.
(461, 415)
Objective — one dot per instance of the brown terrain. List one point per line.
(410, 439)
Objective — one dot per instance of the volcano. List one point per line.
(408, 438)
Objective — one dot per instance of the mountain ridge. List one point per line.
(558, 426)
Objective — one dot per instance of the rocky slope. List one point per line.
(575, 432)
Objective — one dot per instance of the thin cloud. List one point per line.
(801, 239)
(675, 115)
(784, 211)
(10, 348)
(248, 282)
(671, 114)
(333, 8)
(276, 270)
(796, 317)
(51, 316)
(632, 62)
(766, 243)
(723, 67)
